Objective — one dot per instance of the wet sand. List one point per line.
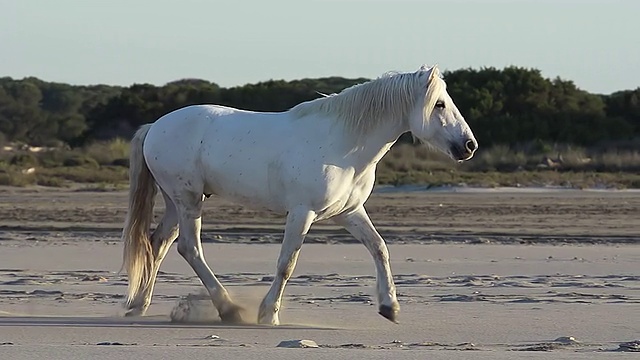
(484, 274)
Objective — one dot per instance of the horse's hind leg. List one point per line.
(360, 226)
(298, 223)
(190, 247)
(163, 236)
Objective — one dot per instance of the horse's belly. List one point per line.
(248, 197)
(249, 186)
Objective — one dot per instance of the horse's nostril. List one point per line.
(470, 145)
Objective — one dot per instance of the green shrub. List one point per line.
(83, 174)
(124, 162)
(106, 152)
(81, 160)
(19, 179)
(51, 181)
(24, 159)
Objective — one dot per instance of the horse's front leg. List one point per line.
(360, 226)
(298, 223)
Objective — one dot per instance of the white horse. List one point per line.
(314, 162)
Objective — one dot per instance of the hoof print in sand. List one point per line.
(558, 343)
(631, 346)
(298, 344)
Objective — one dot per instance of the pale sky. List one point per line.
(120, 42)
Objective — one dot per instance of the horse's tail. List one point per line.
(138, 254)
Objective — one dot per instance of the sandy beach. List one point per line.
(480, 275)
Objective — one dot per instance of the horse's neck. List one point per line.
(373, 144)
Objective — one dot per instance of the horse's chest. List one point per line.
(356, 194)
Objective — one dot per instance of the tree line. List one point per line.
(507, 106)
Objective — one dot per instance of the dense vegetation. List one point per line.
(517, 116)
(508, 106)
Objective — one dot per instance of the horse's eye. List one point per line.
(440, 105)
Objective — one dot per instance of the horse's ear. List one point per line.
(434, 72)
(424, 67)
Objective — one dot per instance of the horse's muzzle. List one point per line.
(463, 151)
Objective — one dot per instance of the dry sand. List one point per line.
(481, 275)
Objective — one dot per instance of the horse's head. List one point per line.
(438, 121)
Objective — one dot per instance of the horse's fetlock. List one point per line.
(286, 275)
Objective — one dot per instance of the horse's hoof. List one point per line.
(389, 312)
(232, 315)
(269, 320)
(135, 312)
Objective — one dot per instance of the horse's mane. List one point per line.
(363, 107)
